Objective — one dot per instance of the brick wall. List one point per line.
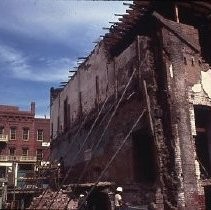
(186, 71)
(19, 120)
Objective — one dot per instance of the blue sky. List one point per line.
(40, 41)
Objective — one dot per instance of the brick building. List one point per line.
(143, 95)
(24, 144)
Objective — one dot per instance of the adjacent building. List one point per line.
(137, 112)
(24, 145)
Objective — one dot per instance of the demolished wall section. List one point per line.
(109, 83)
(116, 75)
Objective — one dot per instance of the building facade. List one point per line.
(137, 112)
(24, 145)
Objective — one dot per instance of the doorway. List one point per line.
(144, 166)
(98, 200)
(203, 139)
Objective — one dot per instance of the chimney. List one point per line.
(33, 108)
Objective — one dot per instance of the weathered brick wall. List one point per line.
(98, 68)
(122, 169)
(43, 124)
(77, 91)
(183, 70)
(169, 67)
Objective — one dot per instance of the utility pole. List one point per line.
(13, 170)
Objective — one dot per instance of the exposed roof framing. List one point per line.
(135, 13)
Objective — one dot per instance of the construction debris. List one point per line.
(62, 201)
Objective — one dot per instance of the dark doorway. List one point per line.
(203, 139)
(207, 191)
(98, 201)
(2, 171)
(144, 157)
(26, 167)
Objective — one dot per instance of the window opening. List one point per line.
(1, 130)
(40, 135)
(207, 191)
(97, 89)
(203, 139)
(12, 151)
(144, 157)
(2, 172)
(25, 152)
(13, 133)
(52, 134)
(39, 154)
(66, 115)
(25, 133)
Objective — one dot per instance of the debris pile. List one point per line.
(53, 200)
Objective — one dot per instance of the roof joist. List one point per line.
(126, 22)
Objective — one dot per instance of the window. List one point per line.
(12, 133)
(25, 133)
(12, 151)
(39, 154)
(52, 130)
(2, 172)
(97, 89)
(66, 115)
(1, 130)
(40, 134)
(25, 151)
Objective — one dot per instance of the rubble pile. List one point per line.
(61, 201)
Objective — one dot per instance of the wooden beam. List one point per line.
(127, 4)
(113, 37)
(147, 98)
(82, 58)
